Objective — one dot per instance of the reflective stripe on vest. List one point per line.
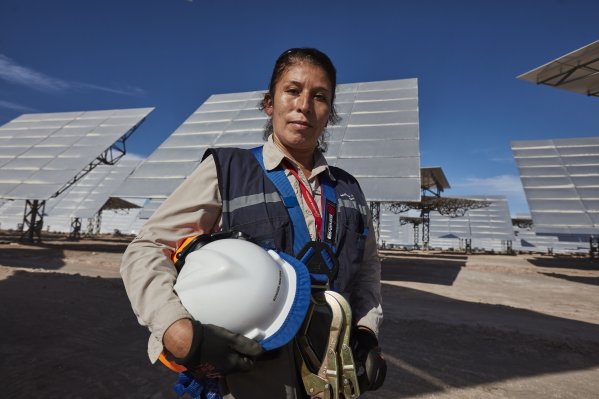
(249, 200)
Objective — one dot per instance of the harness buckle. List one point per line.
(321, 262)
(333, 377)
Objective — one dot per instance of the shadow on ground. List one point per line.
(422, 269)
(95, 246)
(450, 345)
(51, 255)
(565, 263)
(35, 257)
(68, 336)
(427, 255)
(576, 279)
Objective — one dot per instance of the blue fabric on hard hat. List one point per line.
(298, 310)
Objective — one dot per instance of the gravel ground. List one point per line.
(456, 326)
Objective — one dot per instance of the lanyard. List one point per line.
(308, 198)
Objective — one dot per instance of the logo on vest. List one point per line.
(330, 221)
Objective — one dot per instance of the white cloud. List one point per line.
(17, 74)
(14, 73)
(127, 91)
(493, 154)
(15, 106)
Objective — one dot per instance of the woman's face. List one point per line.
(300, 106)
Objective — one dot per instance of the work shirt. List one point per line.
(195, 208)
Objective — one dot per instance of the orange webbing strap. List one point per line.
(177, 368)
(181, 246)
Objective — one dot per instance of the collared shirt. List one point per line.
(195, 208)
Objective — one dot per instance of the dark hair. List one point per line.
(292, 57)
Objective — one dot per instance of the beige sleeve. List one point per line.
(147, 271)
(366, 296)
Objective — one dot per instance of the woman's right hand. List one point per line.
(178, 338)
(212, 349)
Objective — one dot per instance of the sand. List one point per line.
(456, 326)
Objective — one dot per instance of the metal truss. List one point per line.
(94, 224)
(415, 222)
(452, 207)
(468, 245)
(33, 218)
(75, 233)
(523, 223)
(375, 212)
(564, 76)
(426, 224)
(33, 221)
(507, 244)
(109, 157)
(593, 247)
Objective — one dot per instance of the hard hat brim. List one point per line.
(298, 303)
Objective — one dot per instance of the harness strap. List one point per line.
(279, 179)
(303, 246)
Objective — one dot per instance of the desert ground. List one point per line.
(456, 325)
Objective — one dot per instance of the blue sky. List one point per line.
(58, 56)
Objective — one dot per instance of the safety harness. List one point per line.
(334, 376)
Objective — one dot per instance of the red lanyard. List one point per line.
(309, 199)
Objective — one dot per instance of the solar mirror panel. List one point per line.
(125, 221)
(377, 140)
(487, 227)
(388, 227)
(577, 71)
(561, 183)
(87, 197)
(11, 214)
(41, 153)
(391, 231)
(149, 208)
(493, 222)
(83, 199)
(442, 225)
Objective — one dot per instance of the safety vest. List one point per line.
(251, 204)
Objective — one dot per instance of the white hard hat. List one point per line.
(236, 284)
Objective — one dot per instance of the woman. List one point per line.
(300, 104)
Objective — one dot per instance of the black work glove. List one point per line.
(371, 367)
(217, 351)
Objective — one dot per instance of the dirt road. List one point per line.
(480, 326)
